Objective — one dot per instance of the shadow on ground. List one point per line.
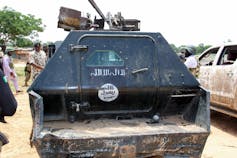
(224, 122)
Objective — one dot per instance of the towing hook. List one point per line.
(75, 106)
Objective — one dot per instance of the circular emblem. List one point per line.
(108, 92)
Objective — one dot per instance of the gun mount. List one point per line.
(70, 19)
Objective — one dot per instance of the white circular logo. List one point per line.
(108, 92)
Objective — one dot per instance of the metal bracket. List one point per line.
(78, 48)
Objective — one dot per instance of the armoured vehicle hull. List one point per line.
(118, 94)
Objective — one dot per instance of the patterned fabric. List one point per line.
(38, 58)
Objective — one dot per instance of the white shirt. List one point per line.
(191, 62)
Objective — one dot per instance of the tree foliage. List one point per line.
(174, 48)
(24, 42)
(15, 26)
(198, 49)
(201, 47)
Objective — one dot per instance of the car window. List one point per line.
(104, 58)
(228, 55)
(208, 58)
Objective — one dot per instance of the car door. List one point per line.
(117, 74)
(206, 61)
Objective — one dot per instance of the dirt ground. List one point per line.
(222, 142)
(18, 130)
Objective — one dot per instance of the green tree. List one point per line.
(198, 49)
(24, 42)
(15, 25)
(201, 47)
(175, 49)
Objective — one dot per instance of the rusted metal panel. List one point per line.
(69, 17)
(135, 102)
(185, 144)
(72, 20)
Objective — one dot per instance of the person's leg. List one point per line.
(15, 83)
(27, 78)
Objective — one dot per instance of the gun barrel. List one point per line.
(97, 9)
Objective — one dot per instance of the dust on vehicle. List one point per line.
(218, 70)
(118, 94)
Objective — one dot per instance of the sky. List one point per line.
(181, 22)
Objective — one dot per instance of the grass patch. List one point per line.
(20, 71)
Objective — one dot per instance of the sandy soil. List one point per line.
(18, 129)
(222, 142)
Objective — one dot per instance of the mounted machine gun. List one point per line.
(70, 19)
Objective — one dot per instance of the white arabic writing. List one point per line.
(108, 72)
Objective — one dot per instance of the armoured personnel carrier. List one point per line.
(121, 94)
(118, 94)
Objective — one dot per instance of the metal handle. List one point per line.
(139, 70)
(78, 48)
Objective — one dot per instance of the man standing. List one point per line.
(190, 61)
(27, 73)
(8, 69)
(37, 60)
(46, 50)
